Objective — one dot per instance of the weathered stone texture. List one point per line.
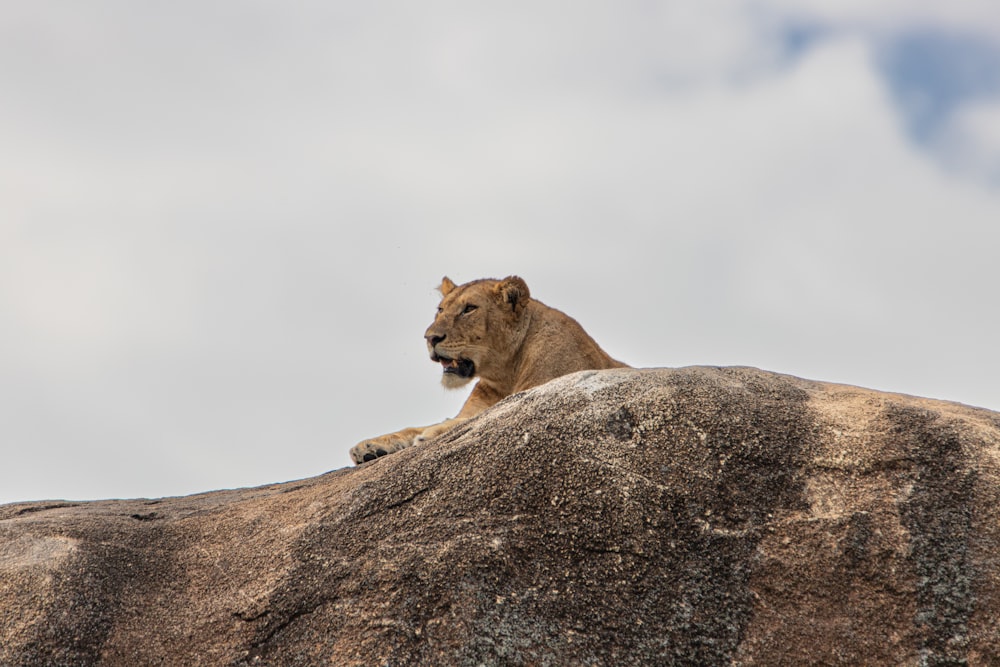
(695, 516)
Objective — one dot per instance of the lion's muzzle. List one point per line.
(463, 368)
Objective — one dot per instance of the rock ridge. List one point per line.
(716, 516)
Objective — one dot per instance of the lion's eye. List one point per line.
(469, 308)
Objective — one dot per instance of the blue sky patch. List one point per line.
(931, 73)
(798, 38)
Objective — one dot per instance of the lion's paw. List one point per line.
(369, 450)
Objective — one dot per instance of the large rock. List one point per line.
(694, 516)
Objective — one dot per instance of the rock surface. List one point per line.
(698, 516)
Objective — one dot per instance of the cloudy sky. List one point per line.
(221, 223)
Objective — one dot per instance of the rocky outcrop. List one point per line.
(695, 516)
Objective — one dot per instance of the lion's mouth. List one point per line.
(463, 368)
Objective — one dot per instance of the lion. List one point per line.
(495, 331)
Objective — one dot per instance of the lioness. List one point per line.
(494, 330)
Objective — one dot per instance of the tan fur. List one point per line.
(514, 342)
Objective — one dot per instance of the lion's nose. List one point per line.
(434, 339)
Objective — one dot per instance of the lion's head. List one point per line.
(478, 328)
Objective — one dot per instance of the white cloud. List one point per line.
(220, 238)
(970, 142)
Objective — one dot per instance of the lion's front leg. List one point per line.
(372, 448)
(437, 429)
(481, 398)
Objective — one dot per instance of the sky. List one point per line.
(222, 223)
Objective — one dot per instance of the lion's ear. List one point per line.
(513, 291)
(446, 286)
